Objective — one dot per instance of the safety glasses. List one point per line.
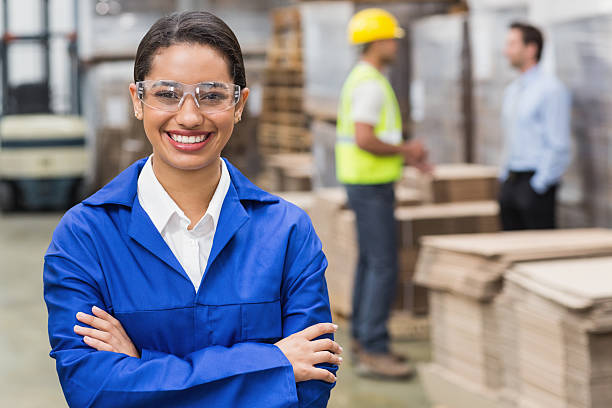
(169, 96)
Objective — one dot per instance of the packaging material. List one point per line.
(454, 183)
(325, 22)
(472, 325)
(583, 57)
(563, 332)
(287, 172)
(335, 225)
(324, 153)
(303, 199)
(437, 110)
(492, 73)
(473, 265)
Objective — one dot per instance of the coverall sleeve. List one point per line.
(305, 301)
(244, 375)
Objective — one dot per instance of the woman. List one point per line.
(181, 283)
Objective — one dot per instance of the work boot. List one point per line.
(382, 366)
(357, 348)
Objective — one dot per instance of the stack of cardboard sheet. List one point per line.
(335, 225)
(435, 219)
(564, 332)
(287, 172)
(454, 183)
(303, 199)
(472, 326)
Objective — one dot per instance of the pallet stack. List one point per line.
(473, 324)
(283, 125)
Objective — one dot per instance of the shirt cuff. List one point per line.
(537, 185)
(503, 175)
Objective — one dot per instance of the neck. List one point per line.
(527, 66)
(374, 61)
(191, 190)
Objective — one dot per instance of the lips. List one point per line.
(189, 141)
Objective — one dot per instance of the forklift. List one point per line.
(43, 152)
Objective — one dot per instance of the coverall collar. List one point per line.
(122, 189)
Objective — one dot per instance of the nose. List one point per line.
(189, 115)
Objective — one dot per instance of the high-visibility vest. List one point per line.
(355, 165)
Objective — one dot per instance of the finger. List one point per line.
(322, 374)
(318, 330)
(97, 344)
(93, 333)
(327, 345)
(321, 357)
(104, 315)
(94, 321)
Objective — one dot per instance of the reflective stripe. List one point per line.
(345, 139)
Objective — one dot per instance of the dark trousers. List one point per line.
(377, 266)
(522, 208)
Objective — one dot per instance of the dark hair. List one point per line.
(531, 35)
(191, 27)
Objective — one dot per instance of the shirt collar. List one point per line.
(529, 75)
(160, 207)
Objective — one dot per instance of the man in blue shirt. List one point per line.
(536, 124)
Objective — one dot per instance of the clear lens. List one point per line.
(169, 96)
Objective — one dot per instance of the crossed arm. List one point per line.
(301, 349)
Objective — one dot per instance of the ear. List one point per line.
(136, 102)
(532, 50)
(244, 95)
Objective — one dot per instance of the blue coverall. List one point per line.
(212, 348)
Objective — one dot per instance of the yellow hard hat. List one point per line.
(373, 24)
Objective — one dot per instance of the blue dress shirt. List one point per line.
(212, 348)
(536, 123)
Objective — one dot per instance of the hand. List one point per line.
(107, 333)
(415, 154)
(303, 352)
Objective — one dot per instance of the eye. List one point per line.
(166, 95)
(213, 97)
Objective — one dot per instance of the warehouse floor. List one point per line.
(27, 374)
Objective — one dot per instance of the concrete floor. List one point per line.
(27, 374)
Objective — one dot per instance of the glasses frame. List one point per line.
(188, 89)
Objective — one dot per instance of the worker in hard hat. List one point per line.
(370, 153)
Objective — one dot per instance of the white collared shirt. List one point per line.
(190, 247)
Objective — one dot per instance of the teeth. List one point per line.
(188, 139)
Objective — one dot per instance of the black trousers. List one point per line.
(522, 208)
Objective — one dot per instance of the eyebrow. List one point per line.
(165, 83)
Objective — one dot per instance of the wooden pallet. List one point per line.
(284, 118)
(283, 124)
(276, 138)
(284, 76)
(283, 99)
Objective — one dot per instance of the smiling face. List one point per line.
(189, 64)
